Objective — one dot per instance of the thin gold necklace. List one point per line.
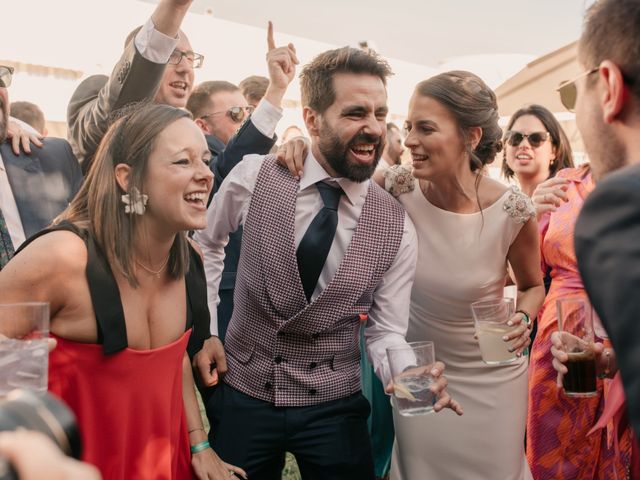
(155, 272)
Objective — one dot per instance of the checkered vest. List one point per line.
(279, 348)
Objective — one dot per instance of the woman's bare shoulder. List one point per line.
(490, 191)
(45, 269)
(60, 250)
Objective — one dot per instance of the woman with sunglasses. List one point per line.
(536, 147)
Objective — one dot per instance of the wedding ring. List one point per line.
(231, 473)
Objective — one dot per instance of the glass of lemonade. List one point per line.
(24, 353)
(410, 364)
(491, 317)
(575, 322)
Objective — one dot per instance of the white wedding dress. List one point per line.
(462, 259)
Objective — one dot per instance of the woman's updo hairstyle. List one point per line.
(473, 104)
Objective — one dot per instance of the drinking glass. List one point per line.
(575, 322)
(24, 353)
(410, 364)
(491, 317)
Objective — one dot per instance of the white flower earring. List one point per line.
(135, 203)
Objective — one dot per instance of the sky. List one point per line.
(493, 38)
(426, 32)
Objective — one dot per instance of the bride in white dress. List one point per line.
(469, 228)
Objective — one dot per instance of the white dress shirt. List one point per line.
(153, 45)
(10, 209)
(266, 117)
(389, 314)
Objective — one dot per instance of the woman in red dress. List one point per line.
(117, 269)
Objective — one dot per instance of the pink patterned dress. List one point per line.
(558, 447)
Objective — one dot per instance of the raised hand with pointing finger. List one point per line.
(282, 63)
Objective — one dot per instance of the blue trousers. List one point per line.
(329, 440)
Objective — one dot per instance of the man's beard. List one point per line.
(606, 153)
(336, 154)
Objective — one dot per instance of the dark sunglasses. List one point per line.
(6, 74)
(568, 91)
(236, 114)
(195, 59)
(535, 139)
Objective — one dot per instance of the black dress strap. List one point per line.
(107, 304)
(105, 295)
(197, 307)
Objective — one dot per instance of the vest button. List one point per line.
(278, 359)
(313, 365)
(315, 335)
(268, 385)
(312, 391)
(281, 334)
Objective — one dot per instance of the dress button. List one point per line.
(313, 365)
(312, 391)
(278, 359)
(268, 385)
(281, 334)
(315, 335)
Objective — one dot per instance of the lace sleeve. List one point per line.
(399, 179)
(519, 206)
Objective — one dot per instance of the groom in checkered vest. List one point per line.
(311, 273)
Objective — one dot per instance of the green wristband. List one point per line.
(199, 447)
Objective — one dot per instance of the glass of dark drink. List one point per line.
(575, 320)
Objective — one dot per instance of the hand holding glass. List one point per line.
(575, 323)
(410, 365)
(491, 317)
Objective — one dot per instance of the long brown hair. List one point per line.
(98, 205)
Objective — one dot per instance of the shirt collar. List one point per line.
(313, 173)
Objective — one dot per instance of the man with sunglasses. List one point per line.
(34, 188)
(219, 109)
(157, 65)
(606, 99)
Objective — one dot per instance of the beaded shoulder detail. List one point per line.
(399, 179)
(519, 206)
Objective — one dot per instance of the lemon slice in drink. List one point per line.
(403, 392)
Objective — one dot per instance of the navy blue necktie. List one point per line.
(315, 244)
(6, 245)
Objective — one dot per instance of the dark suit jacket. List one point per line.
(134, 79)
(247, 140)
(43, 183)
(607, 241)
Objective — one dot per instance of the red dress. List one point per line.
(129, 407)
(128, 402)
